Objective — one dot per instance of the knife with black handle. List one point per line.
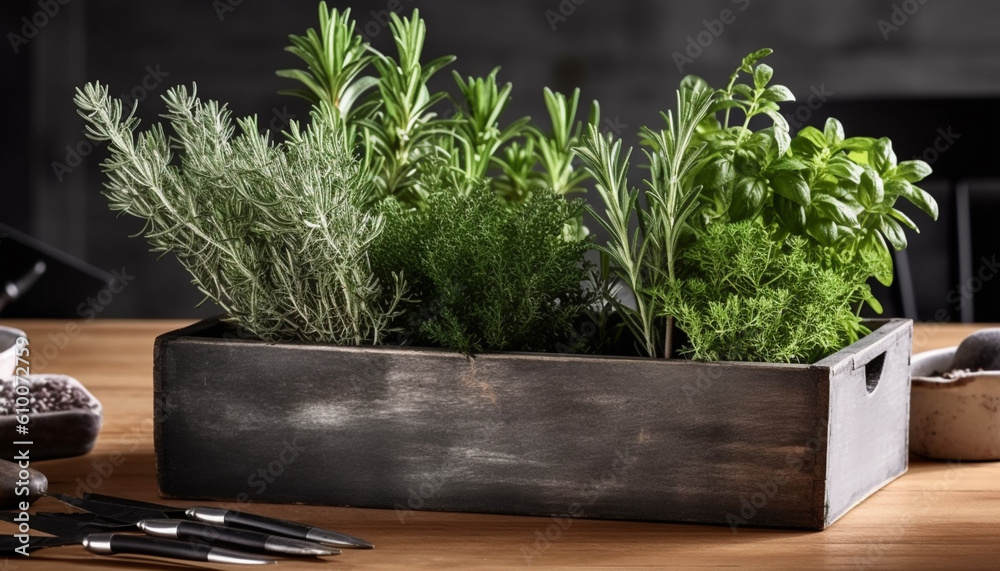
(235, 518)
(117, 543)
(242, 538)
(134, 510)
(80, 524)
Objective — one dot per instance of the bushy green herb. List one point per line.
(273, 233)
(289, 238)
(489, 275)
(837, 192)
(404, 135)
(645, 257)
(745, 297)
(834, 196)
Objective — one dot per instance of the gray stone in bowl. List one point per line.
(979, 351)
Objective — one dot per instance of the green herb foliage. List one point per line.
(489, 275)
(834, 196)
(746, 297)
(645, 256)
(271, 232)
(404, 131)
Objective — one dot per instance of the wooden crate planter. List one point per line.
(744, 444)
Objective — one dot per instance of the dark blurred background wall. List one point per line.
(924, 72)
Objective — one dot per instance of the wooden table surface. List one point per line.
(937, 516)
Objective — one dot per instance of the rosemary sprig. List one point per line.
(273, 233)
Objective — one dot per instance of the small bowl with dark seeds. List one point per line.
(63, 417)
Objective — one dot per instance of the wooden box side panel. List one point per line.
(520, 434)
(868, 433)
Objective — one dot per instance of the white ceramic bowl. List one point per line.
(8, 350)
(954, 419)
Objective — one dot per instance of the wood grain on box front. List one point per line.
(733, 443)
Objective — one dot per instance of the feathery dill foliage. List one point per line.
(489, 274)
(271, 232)
(746, 297)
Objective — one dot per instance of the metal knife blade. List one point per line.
(61, 525)
(9, 545)
(126, 514)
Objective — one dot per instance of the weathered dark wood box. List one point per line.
(743, 444)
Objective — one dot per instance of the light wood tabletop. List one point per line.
(939, 515)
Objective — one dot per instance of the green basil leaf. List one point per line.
(823, 231)
(716, 175)
(746, 162)
(913, 171)
(857, 144)
(754, 57)
(744, 91)
(762, 75)
(882, 156)
(874, 304)
(762, 142)
(904, 219)
(804, 148)
(873, 245)
(833, 131)
(813, 135)
(922, 200)
(897, 187)
(843, 168)
(835, 210)
(788, 164)
(780, 123)
(748, 199)
(791, 216)
(693, 83)
(778, 94)
(893, 232)
(791, 186)
(871, 191)
(859, 157)
(782, 139)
